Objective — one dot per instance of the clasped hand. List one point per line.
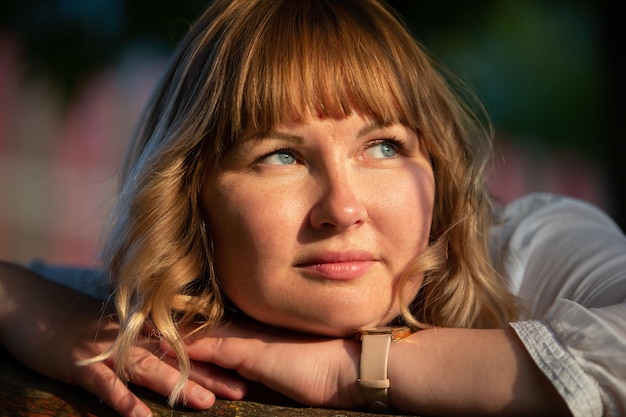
(228, 362)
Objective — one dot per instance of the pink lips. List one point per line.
(337, 265)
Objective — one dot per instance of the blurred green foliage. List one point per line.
(538, 65)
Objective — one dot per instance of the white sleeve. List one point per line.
(566, 260)
(87, 281)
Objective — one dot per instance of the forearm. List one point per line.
(31, 311)
(469, 372)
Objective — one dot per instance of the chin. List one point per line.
(336, 329)
(325, 331)
(327, 324)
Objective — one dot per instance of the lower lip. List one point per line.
(340, 271)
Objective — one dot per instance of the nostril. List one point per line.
(338, 214)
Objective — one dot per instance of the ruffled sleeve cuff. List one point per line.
(579, 390)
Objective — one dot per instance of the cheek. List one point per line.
(232, 226)
(250, 229)
(233, 234)
(257, 221)
(408, 209)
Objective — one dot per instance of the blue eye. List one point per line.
(280, 157)
(382, 149)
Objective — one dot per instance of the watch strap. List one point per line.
(373, 378)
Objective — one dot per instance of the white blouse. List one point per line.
(566, 260)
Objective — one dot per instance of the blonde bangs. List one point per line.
(321, 62)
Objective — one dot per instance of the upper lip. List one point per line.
(334, 257)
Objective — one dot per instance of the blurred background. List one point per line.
(75, 74)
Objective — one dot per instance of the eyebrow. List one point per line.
(370, 128)
(299, 139)
(279, 135)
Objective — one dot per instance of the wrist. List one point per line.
(374, 382)
(350, 376)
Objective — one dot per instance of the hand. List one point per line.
(310, 370)
(149, 368)
(49, 328)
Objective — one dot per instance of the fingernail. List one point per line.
(140, 411)
(236, 385)
(201, 394)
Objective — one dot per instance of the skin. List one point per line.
(314, 222)
(439, 372)
(49, 328)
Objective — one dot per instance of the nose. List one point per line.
(340, 207)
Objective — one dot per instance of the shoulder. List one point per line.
(539, 217)
(543, 209)
(556, 245)
(90, 281)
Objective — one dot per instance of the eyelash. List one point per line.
(276, 150)
(397, 144)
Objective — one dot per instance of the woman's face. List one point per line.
(313, 223)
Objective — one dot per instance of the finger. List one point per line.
(207, 349)
(224, 383)
(101, 381)
(239, 354)
(161, 374)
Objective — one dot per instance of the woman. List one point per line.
(304, 173)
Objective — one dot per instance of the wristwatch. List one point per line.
(373, 380)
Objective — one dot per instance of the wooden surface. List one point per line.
(26, 394)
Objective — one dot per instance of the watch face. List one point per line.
(396, 333)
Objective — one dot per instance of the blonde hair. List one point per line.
(246, 65)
